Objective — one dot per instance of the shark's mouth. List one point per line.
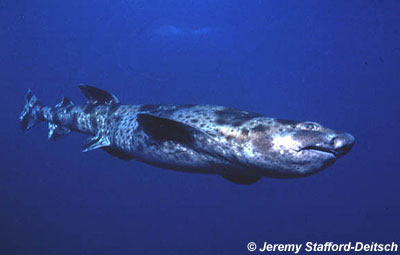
(338, 152)
(320, 149)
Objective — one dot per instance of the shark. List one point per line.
(240, 146)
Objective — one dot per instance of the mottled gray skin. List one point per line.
(238, 145)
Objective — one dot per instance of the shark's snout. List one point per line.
(342, 143)
(336, 144)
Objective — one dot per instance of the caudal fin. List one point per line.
(28, 117)
(33, 112)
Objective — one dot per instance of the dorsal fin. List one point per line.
(98, 96)
(64, 103)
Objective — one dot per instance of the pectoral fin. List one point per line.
(117, 153)
(162, 129)
(240, 179)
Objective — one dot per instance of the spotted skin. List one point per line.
(239, 145)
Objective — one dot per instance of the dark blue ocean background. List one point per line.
(334, 62)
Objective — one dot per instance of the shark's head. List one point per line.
(291, 149)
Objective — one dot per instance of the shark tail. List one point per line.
(29, 117)
(33, 112)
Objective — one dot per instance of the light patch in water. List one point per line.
(171, 30)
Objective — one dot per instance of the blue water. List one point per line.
(334, 62)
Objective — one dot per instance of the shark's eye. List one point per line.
(309, 126)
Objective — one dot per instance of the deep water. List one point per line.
(334, 62)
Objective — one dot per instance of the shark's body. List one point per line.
(240, 146)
